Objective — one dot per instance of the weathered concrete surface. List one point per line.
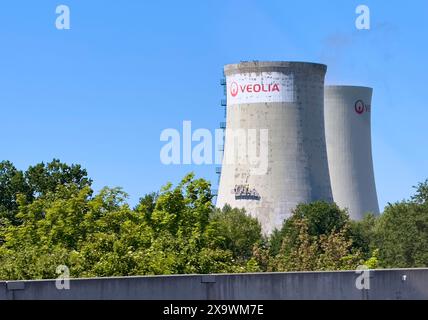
(284, 101)
(349, 150)
(384, 284)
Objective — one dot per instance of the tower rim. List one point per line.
(257, 66)
(346, 86)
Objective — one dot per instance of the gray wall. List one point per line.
(384, 284)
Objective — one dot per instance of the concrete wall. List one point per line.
(294, 155)
(384, 284)
(348, 136)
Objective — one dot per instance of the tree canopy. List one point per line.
(50, 216)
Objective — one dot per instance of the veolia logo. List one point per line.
(360, 107)
(236, 88)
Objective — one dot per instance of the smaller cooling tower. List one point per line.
(347, 112)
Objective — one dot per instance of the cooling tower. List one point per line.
(275, 153)
(348, 137)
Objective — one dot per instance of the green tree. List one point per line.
(36, 182)
(184, 233)
(147, 205)
(43, 178)
(316, 237)
(306, 252)
(238, 232)
(322, 219)
(49, 229)
(402, 232)
(421, 195)
(50, 217)
(12, 183)
(363, 235)
(102, 236)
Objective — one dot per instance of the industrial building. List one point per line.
(275, 153)
(348, 137)
(290, 140)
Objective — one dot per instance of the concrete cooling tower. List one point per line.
(275, 152)
(348, 137)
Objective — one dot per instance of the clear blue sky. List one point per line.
(101, 93)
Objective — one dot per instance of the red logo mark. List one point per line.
(360, 107)
(234, 89)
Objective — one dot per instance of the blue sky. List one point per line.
(101, 93)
